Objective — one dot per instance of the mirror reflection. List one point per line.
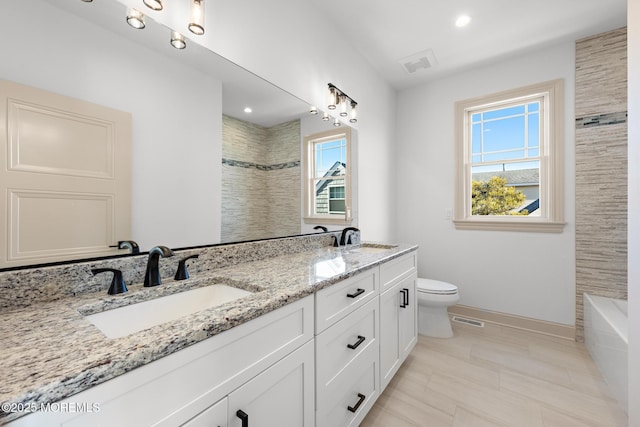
(203, 171)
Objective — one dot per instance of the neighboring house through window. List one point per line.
(509, 160)
(328, 181)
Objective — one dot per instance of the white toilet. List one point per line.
(434, 297)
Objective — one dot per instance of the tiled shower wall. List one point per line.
(260, 180)
(601, 168)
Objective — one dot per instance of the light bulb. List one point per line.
(135, 18)
(177, 40)
(343, 106)
(354, 117)
(332, 98)
(196, 24)
(154, 4)
(463, 21)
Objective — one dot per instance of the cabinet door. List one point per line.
(398, 326)
(282, 396)
(389, 337)
(214, 416)
(408, 320)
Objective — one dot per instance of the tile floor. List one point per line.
(496, 376)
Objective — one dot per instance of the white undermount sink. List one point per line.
(373, 248)
(122, 321)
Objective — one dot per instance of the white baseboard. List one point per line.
(525, 323)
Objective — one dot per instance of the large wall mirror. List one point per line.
(203, 170)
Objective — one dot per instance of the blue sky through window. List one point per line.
(506, 134)
(328, 153)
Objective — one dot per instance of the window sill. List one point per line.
(327, 220)
(491, 224)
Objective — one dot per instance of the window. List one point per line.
(328, 180)
(509, 160)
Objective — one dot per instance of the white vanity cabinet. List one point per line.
(398, 314)
(347, 350)
(280, 396)
(234, 369)
(214, 416)
(271, 371)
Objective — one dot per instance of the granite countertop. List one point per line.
(50, 351)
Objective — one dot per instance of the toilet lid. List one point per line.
(430, 286)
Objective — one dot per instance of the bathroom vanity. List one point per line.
(314, 340)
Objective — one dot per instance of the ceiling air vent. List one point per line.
(418, 61)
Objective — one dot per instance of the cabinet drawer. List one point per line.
(337, 301)
(397, 268)
(358, 330)
(348, 399)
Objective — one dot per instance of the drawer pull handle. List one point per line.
(406, 293)
(361, 398)
(360, 341)
(244, 417)
(356, 293)
(403, 303)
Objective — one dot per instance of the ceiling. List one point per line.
(240, 88)
(387, 31)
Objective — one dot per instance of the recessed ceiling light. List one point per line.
(247, 110)
(463, 20)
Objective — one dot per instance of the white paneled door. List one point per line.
(65, 177)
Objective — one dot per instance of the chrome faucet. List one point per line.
(343, 237)
(152, 276)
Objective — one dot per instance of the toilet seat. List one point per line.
(436, 287)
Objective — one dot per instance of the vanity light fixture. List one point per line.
(135, 18)
(333, 97)
(354, 117)
(154, 4)
(346, 103)
(196, 23)
(343, 106)
(177, 40)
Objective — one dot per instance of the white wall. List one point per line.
(292, 44)
(633, 242)
(63, 54)
(525, 274)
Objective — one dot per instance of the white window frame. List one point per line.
(308, 160)
(551, 219)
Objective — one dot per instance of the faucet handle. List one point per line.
(182, 273)
(117, 283)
